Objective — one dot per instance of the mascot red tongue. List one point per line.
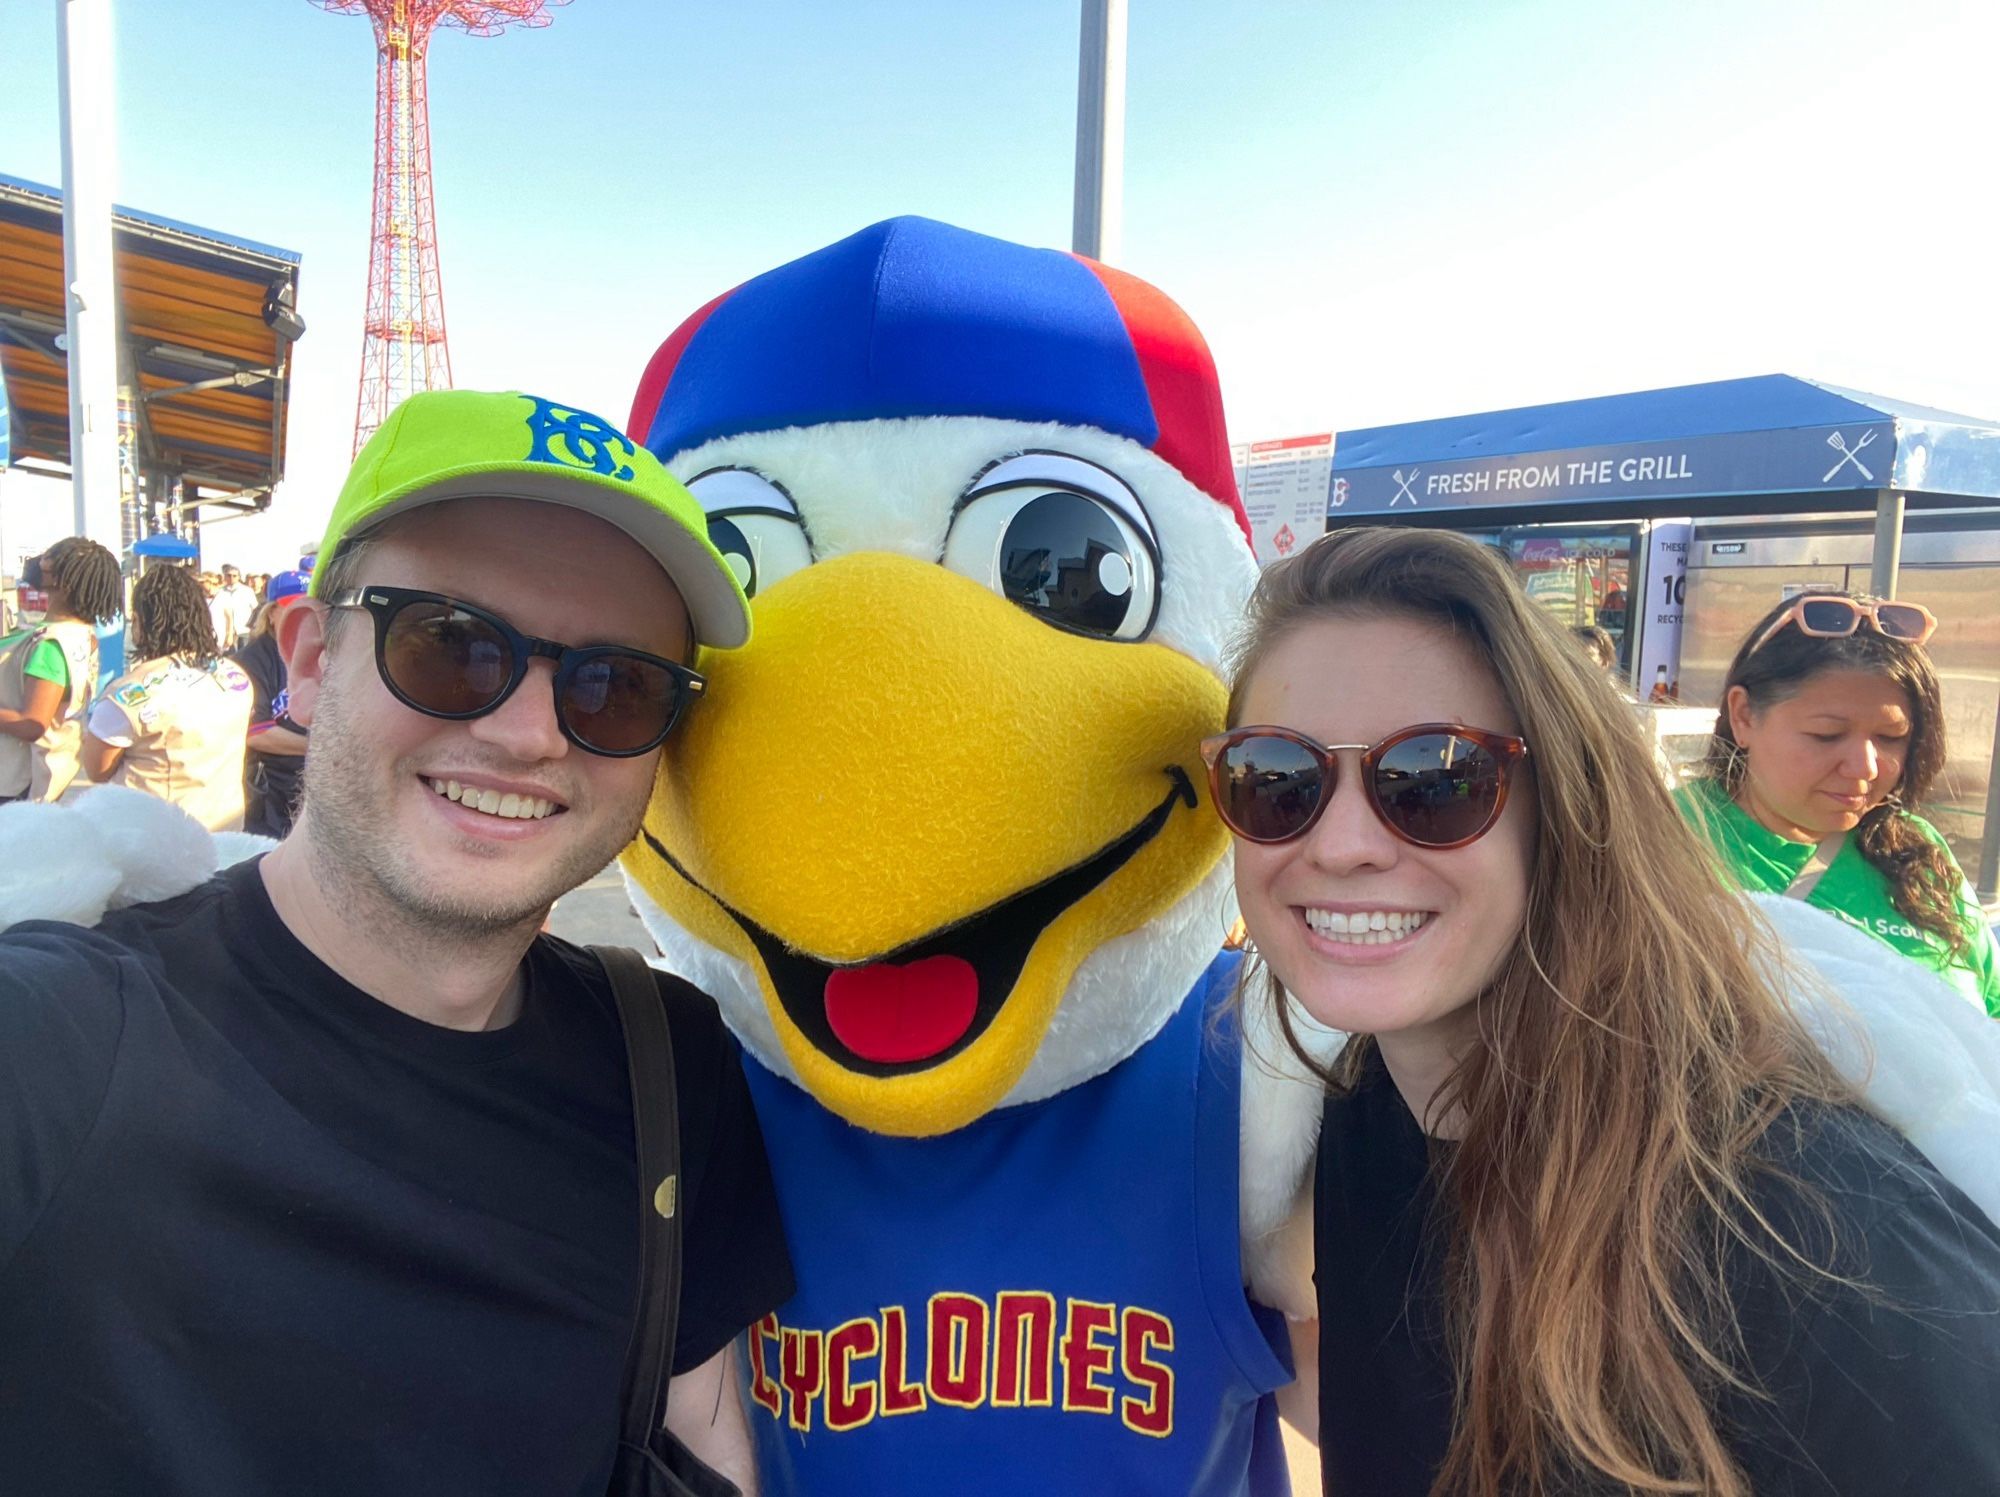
(886, 1012)
(937, 843)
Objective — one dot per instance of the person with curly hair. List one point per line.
(175, 725)
(1831, 731)
(48, 671)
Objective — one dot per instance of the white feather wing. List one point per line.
(1926, 1060)
(105, 849)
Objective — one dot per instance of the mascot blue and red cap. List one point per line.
(912, 317)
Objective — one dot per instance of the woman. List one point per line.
(1592, 1214)
(175, 725)
(49, 672)
(1831, 726)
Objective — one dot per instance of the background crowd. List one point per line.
(198, 717)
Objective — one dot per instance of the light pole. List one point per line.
(1098, 224)
(84, 62)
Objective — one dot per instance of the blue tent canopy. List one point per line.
(168, 547)
(1740, 444)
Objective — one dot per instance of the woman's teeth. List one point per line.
(511, 806)
(1366, 927)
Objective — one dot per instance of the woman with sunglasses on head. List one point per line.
(174, 726)
(1592, 1213)
(1831, 728)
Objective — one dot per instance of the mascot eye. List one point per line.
(760, 548)
(754, 524)
(1072, 559)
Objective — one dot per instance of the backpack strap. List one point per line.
(649, 1052)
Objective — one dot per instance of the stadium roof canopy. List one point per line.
(212, 375)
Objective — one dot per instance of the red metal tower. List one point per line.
(403, 340)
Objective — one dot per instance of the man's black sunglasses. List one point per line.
(450, 659)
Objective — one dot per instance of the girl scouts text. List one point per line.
(1021, 1351)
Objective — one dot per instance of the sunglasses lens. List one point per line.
(1267, 789)
(1900, 620)
(618, 703)
(1438, 788)
(444, 660)
(1828, 616)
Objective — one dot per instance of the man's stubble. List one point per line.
(349, 819)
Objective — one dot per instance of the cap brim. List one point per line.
(715, 605)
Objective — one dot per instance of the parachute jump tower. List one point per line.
(403, 339)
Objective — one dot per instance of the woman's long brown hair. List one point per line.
(1632, 1051)
(1924, 880)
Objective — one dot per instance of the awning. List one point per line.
(1741, 445)
(212, 375)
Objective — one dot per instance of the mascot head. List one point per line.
(936, 842)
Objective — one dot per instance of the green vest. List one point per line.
(1761, 861)
(43, 770)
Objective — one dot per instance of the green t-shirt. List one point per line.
(46, 660)
(1852, 888)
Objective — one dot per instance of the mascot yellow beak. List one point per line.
(922, 807)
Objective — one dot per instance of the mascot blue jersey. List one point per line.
(1047, 1300)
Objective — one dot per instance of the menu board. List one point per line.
(1284, 484)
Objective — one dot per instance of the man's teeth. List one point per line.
(1366, 927)
(511, 806)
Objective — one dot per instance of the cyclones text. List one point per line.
(1020, 1351)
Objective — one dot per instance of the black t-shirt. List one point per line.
(1869, 1394)
(265, 666)
(261, 1233)
(271, 782)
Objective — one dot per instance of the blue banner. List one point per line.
(1858, 455)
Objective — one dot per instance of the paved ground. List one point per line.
(600, 914)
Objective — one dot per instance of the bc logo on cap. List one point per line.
(577, 439)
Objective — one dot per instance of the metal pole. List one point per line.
(1098, 223)
(84, 64)
(1887, 559)
(130, 524)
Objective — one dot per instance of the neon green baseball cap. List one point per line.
(459, 444)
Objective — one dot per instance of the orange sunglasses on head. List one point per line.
(1835, 616)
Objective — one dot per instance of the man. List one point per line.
(320, 1178)
(275, 764)
(230, 608)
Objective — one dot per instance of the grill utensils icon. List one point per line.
(1848, 455)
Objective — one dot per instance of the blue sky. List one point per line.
(1376, 211)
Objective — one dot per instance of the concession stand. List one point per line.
(1673, 518)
